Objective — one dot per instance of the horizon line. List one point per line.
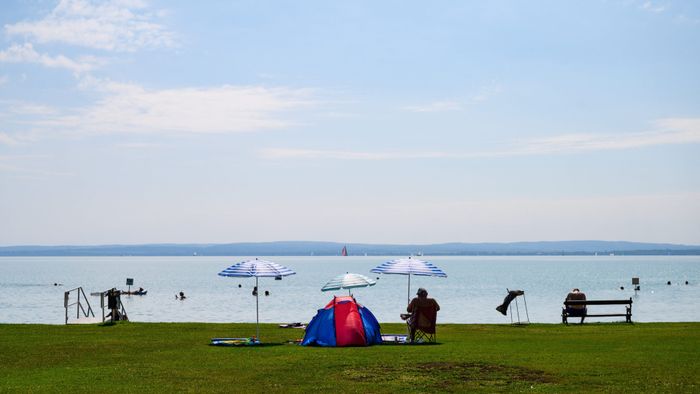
(346, 243)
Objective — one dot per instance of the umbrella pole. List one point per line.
(257, 318)
(408, 298)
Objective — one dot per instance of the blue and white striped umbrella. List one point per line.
(256, 268)
(348, 281)
(409, 266)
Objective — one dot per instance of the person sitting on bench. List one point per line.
(576, 310)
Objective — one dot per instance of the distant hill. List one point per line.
(305, 248)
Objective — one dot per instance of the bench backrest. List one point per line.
(598, 302)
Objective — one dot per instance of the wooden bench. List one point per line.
(566, 313)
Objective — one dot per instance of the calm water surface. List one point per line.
(473, 288)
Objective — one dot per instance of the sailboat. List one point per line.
(344, 252)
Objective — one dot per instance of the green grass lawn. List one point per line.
(166, 357)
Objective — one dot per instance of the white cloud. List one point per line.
(285, 153)
(483, 94)
(138, 145)
(28, 109)
(29, 172)
(436, 106)
(684, 19)
(6, 139)
(130, 108)
(3, 79)
(115, 25)
(668, 131)
(487, 92)
(21, 165)
(26, 54)
(653, 7)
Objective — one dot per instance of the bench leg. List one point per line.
(582, 317)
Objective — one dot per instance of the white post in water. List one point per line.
(257, 319)
(65, 304)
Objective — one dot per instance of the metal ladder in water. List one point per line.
(80, 300)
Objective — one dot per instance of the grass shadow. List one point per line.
(451, 376)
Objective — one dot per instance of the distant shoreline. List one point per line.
(315, 248)
(566, 254)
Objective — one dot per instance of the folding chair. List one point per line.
(421, 325)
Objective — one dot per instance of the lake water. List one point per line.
(473, 288)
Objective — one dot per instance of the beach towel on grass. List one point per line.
(234, 342)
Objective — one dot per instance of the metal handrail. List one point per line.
(123, 310)
(79, 305)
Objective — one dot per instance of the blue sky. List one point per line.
(133, 121)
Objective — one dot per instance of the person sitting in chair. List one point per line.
(418, 320)
(576, 310)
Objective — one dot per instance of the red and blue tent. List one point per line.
(343, 322)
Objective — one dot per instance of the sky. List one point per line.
(129, 121)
